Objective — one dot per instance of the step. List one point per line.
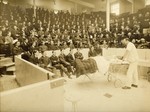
(12, 68)
(2, 55)
(7, 69)
(9, 64)
(2, 58)
(5, 61)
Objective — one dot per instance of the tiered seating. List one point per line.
(67, 30)
(7, 67)
(2, 56)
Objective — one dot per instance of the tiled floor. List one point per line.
(99, 95)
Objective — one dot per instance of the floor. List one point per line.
(99, 95)
(8, 82)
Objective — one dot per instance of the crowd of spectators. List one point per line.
(21, 31)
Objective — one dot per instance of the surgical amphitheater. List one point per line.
(74, 55)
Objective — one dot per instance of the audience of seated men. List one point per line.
(56, 63)
(45, 63)
(78, 31)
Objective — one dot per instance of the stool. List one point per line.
(74, 99)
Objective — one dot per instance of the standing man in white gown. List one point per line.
(131, 56)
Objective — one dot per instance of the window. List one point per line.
(147, 2)
(115, 8)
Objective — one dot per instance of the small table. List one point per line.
(114, 67)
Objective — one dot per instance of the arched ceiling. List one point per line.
(90, 2)
(87, 3)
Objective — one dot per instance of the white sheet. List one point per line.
(102, 63)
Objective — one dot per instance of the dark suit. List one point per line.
(70, 59)
(56, 63)
(25, 46)
(17, 50)
(26, 56)
(98, 50)
(65, 63)
(44, 61)
(34, 59)
(92, 53)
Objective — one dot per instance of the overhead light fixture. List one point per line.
(5, 2)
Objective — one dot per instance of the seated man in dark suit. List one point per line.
(78, 55)
(64, 62)
(43, 47)
(79, 66)
(25, 45)
(98, 49)
(34, 57)
(45, 63)
(92, 52)
(69, 57)
(56, 63)
(17, 49)
(2, 43)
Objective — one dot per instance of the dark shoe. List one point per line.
(133, 85)
(126, 87)
(70, 77)
(62, 75)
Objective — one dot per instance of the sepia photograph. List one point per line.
(74, 55)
